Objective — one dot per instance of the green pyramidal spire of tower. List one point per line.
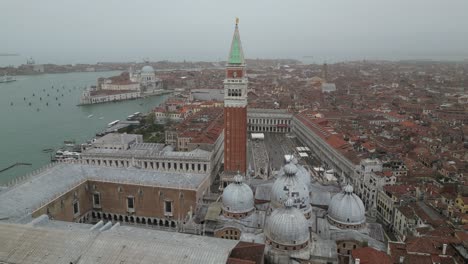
(236, 55)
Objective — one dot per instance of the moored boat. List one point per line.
(5, 79)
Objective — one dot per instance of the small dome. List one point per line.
(289, 184)
(287, 226)
(347, 208)
(238, 197)
(147, 69)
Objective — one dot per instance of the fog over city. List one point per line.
(56, 31)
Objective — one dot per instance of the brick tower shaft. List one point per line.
(235, 109)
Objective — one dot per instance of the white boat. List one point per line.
(113, 123)
(90, 116)
(5, 79)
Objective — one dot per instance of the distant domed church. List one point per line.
(147, 79)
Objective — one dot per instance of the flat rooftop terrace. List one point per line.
(19, 201)
(148, 150)
(30, 244)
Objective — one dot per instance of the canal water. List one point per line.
(34, 116)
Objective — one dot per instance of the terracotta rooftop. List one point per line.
(204, 126)
(369, 255)
(399, 190)
(321, 127)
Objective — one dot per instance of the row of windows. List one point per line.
(230, 237)
(151, 165)
(234, 81)
(230, 234)
(168, 206)
(235, 215)
(133, 219)
(284, 247)
(344, 226)
(268, 121)
(269, 129)
(234, 92)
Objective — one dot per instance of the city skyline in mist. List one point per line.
(54, 31)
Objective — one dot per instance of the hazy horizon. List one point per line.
(54, 31)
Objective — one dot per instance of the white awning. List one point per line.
(258, 136)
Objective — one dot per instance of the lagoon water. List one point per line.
(26, 130)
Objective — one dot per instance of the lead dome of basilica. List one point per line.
(287, 226)
(289, 185)
(238, 197)
(346, 209)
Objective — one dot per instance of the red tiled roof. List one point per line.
(202, 132)
(369, 255)
(463, 236)
(321, 129)
(465, 200)
(399, 189)
(408, 124)
(417, 259)
(336, 142)
(397, 249)
(368, 145)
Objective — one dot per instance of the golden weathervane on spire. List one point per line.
(237, 21)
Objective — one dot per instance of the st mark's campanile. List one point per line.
(235, 109)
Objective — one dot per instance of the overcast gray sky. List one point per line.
(63, 31)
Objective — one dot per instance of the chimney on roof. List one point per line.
(444, 249)
(402, 259)
(357, 261)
